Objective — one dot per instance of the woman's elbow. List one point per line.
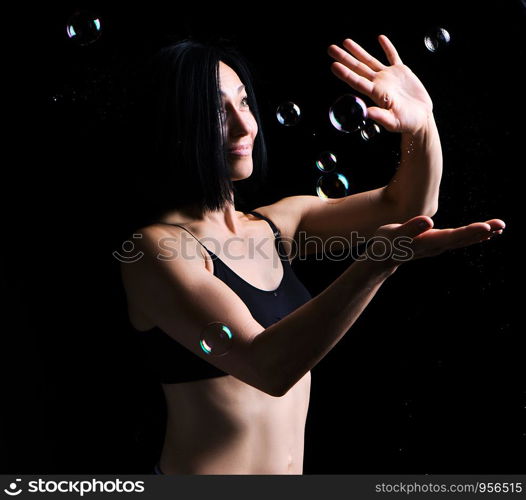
(429, 211)
(432, 210)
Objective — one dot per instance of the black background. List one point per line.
(430, 379)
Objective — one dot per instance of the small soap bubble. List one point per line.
(436, 39)
(332, 185)
(83, 27)
(348, 113)
(288, 114)
(369, 130)
(216, 339)
(326, 161)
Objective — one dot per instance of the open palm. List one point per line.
(427, 241)
(402, 102)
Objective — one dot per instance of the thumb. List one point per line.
(384, 117)
(415, 226)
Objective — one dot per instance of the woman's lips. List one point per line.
(243, 151)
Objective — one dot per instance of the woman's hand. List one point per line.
(402, 102)
(394, 244)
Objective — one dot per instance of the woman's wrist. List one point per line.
(381, 268)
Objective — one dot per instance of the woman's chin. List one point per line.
(239, 173)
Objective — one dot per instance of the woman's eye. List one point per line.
(245, 101)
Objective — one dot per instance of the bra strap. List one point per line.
(277, 235)
(272, 225)
(182, 227)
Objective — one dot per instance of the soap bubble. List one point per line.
(288, 114)
(326, 161)
(332, 185)
(436, 39)
(83, 27)
(369, 130)
(216, 339)
(348, 113)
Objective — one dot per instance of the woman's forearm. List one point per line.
(288, 349)
(416, 183)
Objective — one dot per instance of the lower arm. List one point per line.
(416, 183)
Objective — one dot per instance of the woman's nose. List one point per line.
(239, 123)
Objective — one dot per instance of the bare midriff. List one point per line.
(221, 425)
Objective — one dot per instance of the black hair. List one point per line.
(182, 159)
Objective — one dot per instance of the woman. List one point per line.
(244, 412)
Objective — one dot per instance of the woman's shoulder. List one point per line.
(156, 249)
(159, 242)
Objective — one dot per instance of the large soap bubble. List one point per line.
(348, 113)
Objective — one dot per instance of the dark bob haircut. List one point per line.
(182, 159)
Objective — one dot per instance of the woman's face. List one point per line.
(240, 125)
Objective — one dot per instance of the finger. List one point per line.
(435, 241)
(497, 225)
(453, 237)
(384, 117)
(351, 62)
(468, 235)
(389, 49)
(473, 240)
(362, 55)
(415, 226)
(357, 82)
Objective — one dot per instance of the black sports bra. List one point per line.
(173, 363)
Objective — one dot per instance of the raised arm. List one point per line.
(402, 105)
